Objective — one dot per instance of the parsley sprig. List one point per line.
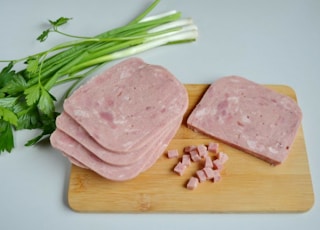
(26, 100)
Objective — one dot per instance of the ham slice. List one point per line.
(120, 122)
(87, 159)
(66, 124)
(126, 106)
(248, 116)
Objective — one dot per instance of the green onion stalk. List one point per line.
(26, 101)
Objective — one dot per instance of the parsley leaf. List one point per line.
(8, 102)
(48, 126)
(28, 116)
(55, 24)
(45, 103)
(8, 115)
(32, 94)
(32, 64)
(7, 74)
(59, 22)
(42, 37)
(6, 136)
(14, 86)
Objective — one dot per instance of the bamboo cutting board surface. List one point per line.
(248, 184)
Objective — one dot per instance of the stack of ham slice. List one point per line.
(120, 122)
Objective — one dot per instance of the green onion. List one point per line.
(32, 105)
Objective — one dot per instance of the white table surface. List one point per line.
(270, 42)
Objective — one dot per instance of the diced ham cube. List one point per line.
(179, 168)
(195, 156)
(189, 148)
(213, 165)
(213, 147)
(208, 162)
(202, 150)
(186, 159)
(201, 176)
(192, 183)
(216, 175)
(223, 157)
(173, 153)
(209, 172)
(217, 164)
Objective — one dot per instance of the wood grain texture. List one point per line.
(248, 184)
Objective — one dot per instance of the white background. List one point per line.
(270, 42)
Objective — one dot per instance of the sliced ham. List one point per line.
(248, 116)
(75, 150)
(120, 122)
(127, 105)
(74, 161)
(66, 124)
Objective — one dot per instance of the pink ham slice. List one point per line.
(66, 124)
(75, 151)
(74, 161)
(248, 116)
(120, 122)
(124, 108)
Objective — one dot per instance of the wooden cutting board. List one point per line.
(248, 184)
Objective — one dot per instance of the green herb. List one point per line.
(26, 101)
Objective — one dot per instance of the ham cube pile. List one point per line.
(211, 165)
(120, 122)
(248, 116)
